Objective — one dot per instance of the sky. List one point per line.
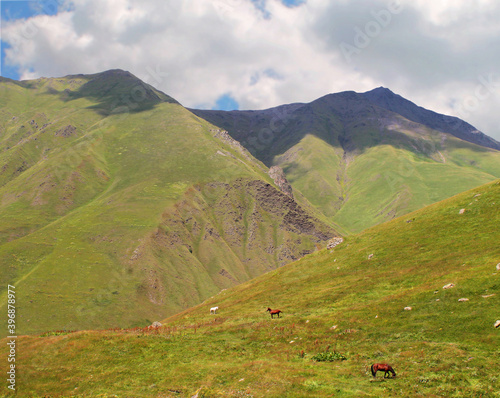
(443, 55)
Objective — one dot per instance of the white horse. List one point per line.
(213, 310)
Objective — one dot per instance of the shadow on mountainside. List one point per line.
(118, 92)
(113, 91)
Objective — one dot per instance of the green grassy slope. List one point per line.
(348, 300)
(357, 163)
(102, 179)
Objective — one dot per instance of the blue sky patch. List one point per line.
(12, 10)
(7, 70)
(226, 103)
(261, 6)
(293, 3)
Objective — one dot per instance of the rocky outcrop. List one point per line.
(66, 131)
(334, 242)
(227, 233)
(279, 178)
(219, 235)
(224, 136)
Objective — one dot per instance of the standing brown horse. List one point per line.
(274, 312)
(383, 367)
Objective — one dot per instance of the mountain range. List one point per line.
(365, 158)
(120, 207)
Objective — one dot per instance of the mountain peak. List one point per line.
(383, 93)
(117, 72)
(385, 98)
(380, 89)
(118, 89)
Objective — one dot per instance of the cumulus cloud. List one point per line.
(262, 53)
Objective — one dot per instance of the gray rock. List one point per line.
(334, 242)
(279, 178)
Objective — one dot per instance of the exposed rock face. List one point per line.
(498, 267)
(222, 234)
(463, 299)
(224, 136)
(407, 308)
(278, 175)
(449, 286)
(497, 324)
(334, 242)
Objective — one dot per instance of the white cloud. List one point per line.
(433, 53)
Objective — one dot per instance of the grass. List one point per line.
(126, 219)
(385, 181)
(341, 301)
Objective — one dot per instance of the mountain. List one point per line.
(119, 206)
(362, 159)
(386, 99)
(420, 292)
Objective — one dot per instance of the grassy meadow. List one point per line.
(349, 300)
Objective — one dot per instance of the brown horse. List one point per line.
(274, 312)
(383, 367)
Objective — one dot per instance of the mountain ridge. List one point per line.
(387, 99)
(344, 147)
(105, 175)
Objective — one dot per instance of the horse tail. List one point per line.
(373, 371)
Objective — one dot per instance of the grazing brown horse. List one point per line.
(383, 367)
(274, 312)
